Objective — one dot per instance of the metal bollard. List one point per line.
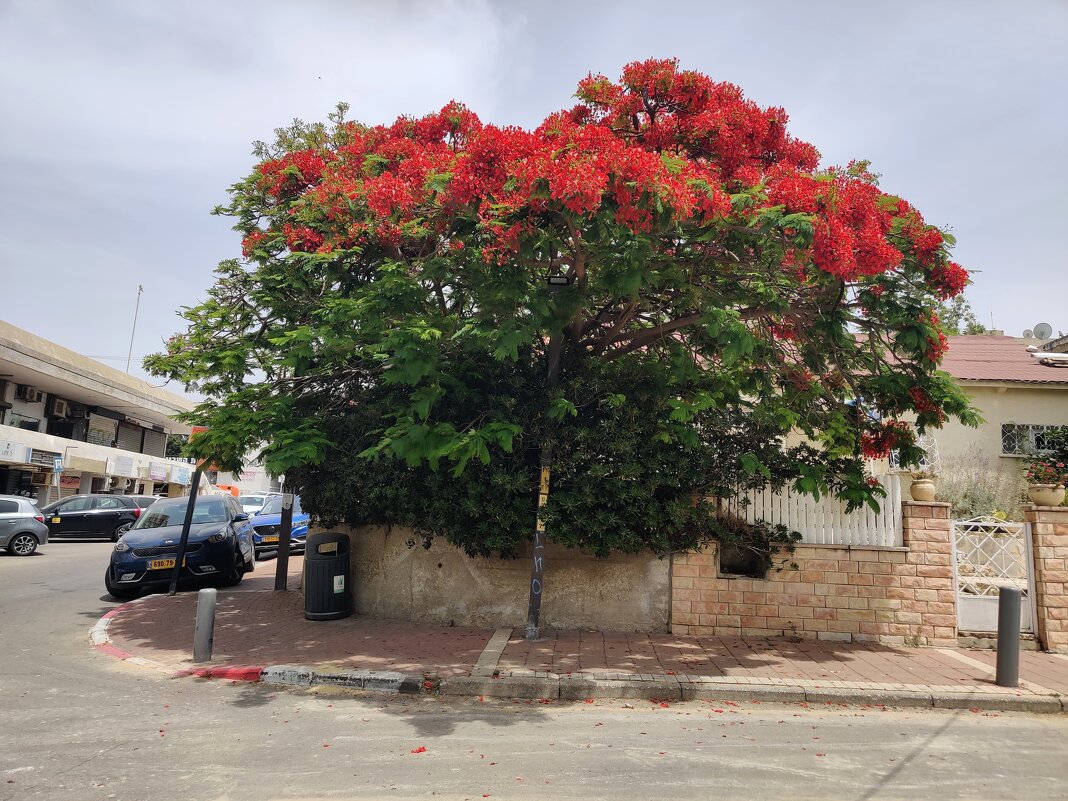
(1008, 669)
(204, 633)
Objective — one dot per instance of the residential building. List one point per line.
(1019, 398)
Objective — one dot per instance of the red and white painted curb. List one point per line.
(98, 635)
(293, 675)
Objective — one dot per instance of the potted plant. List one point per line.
(923, 486)
(1045, 483)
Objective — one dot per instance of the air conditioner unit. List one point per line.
(77, 413)
(24, 392)
(60, 408)
(120, 483)
(40, 479)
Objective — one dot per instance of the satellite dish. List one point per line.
(1043, 331)
(1028, 333)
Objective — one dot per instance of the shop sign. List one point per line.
(157, 471)
(122, 466)
(45, 459)
(70, 482)
(180, 475)
(14, 452)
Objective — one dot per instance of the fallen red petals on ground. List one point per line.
(420, 750)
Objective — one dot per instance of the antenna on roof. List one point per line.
(1028, 333)
(1043, 331)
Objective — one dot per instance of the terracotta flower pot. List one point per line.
(1046, 494)
(922, 489)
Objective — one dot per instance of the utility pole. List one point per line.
(537, 566)
(285, 536)
(137, 308)
(187, 521)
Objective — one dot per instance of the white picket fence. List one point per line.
(825, 522)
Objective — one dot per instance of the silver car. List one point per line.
(22, 526)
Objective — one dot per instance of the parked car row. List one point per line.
(223, 543)
(219, 546)
(24, 526)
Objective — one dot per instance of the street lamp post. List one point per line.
(537, 565)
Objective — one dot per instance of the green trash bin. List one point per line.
(327, 595)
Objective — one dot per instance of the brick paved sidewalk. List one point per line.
(256, 626)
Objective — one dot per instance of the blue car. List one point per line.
(267, 523)
(219, 548)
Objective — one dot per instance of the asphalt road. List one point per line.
(76, 724)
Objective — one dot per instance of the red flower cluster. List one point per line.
(878, 442)
(1047, 473)
(660, 149)
(251, 242)
(925, 404)
(279, 180)
(948, 279)
(301, 238)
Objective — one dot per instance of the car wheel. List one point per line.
(237, 572)
(119, 593)
(22, 544)
(120, 530)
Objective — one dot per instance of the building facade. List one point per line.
(71, 425)
(1019, 398)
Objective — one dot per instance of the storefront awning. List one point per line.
(83, 464)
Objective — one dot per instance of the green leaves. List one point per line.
(393, 361)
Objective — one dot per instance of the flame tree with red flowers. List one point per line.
(736, 315)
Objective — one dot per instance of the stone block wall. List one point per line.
(861, 594)
(1049, 542)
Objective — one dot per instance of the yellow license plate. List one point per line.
(55, 519)
(162, 564)
(271, 538)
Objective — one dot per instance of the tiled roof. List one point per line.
(993, 358)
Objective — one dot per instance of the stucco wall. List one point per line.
(442, 585)
(1000, 404)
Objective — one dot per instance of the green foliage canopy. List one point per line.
(735, 316)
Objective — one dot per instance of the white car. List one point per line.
(252, 502)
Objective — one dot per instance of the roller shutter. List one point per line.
(129, 437)
(155, 443)
(102, 430)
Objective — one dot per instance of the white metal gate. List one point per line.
(989, 554)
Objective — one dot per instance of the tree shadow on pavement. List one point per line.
(439, 717)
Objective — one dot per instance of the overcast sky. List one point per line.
(123, 123)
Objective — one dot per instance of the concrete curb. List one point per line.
(376, 680)
(578, 688)
(101, 641)
(566, 687)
